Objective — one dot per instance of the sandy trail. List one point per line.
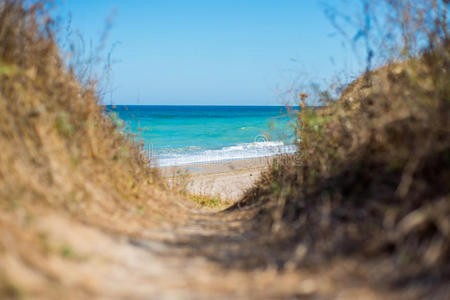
(187, 262)
(214, 255)
(225, 180)
(206, 255)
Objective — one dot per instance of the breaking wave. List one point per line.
(186, 156)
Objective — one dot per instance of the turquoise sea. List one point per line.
(181, 135)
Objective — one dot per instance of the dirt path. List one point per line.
(213, 255)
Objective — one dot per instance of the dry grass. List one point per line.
(370, 180)
(60, 153)
(59, 147)
(204, 200)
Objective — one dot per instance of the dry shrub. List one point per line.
(371, 176)
(58, 147)
(57, 144)
(60, 153)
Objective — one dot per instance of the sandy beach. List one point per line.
(227, 180)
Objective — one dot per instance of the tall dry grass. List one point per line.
(370, 180)
(58, 145)
(59, 151)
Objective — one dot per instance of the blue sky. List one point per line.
(177, 52)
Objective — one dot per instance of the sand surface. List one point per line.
(227, 180)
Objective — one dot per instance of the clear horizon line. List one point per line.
(201, 105)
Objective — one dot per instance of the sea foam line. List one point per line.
(239, 151)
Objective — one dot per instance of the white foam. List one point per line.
(240, 151)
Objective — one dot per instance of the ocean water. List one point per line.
(182, 135)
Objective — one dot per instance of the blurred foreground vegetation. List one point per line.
(369, 183)
(371, 178)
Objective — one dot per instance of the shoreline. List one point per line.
(225, 180)
(255, 151)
